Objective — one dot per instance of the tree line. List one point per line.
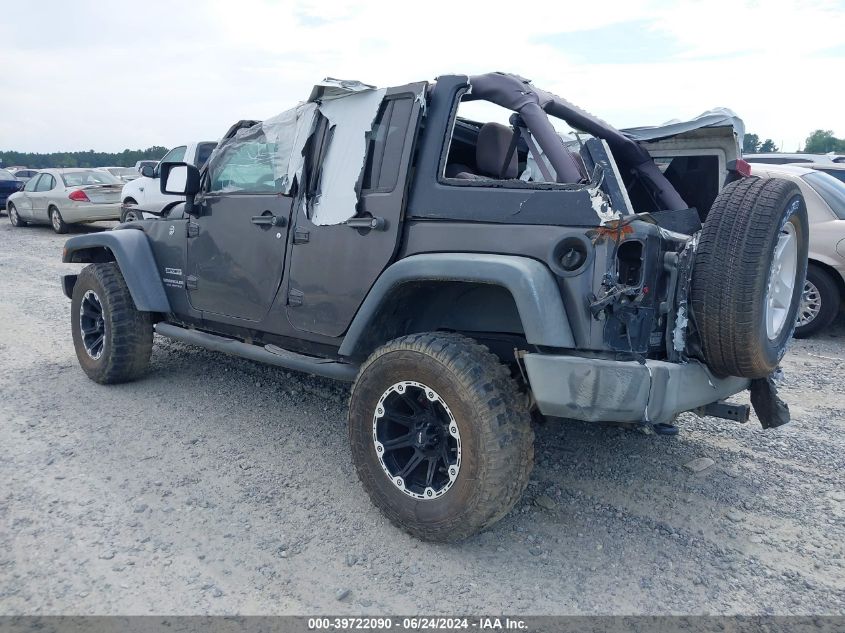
(818, 142)
(126, 158)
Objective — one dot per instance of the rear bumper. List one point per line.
(91, 212)
(593, 389)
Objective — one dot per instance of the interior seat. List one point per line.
(491, 152)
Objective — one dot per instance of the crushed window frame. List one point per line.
(350, 107)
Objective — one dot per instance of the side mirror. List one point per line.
(180, 179)
(148, 171)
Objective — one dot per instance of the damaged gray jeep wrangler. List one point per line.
(463, 274)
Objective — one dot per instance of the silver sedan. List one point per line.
(66, 196)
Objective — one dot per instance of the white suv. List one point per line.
(144, 192)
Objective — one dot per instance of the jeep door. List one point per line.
(236, 247)
(334, 266)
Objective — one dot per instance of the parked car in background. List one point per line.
(833, 164)
(126, 174)
(24, 174)
(8, 185)
(141, 163)
(837, 170)
(144, 192)
(824, 288)
(779, 158)
(66, 196)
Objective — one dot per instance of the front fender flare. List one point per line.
(131, 250)
(530, 282)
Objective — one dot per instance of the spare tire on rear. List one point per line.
(748, 275)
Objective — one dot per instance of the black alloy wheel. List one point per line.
(417, 440)
(92, 324)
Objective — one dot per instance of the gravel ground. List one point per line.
(217, 485)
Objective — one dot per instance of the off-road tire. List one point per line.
(731, 274)
(495, 428)
(831, 300)
(128, 339)
(57, 221)
(14, 217)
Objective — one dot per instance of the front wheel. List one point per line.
(441, 437)
(14, 218)
(130, 212)
(820, 302)
(112, 338)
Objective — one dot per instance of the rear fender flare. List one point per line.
(134, 256)
(531, 284)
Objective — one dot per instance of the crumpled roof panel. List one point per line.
(716, 117)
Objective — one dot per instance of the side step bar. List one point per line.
(269, 354)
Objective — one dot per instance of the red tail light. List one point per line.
(79, 196)
(743, 168)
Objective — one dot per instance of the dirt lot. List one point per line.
(217, 485)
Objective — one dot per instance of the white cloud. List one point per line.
(139, 74)
(775, 28)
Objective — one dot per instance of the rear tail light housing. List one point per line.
(741, 167)
(79, 196)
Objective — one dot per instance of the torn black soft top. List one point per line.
(518, 94)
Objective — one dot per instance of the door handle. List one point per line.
(375, 224)
(269, 220)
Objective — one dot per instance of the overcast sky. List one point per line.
(104, 75)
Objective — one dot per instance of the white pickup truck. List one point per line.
(145, 193)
